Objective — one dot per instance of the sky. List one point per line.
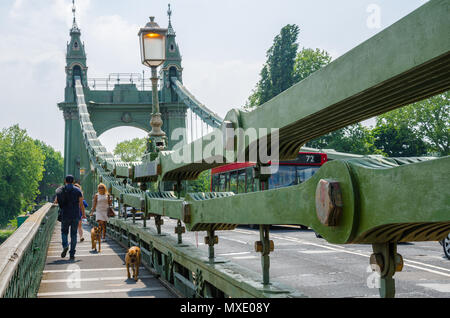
(223, 45)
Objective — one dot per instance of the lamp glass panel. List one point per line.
(154, 49)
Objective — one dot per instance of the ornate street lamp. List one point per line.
(153, 54)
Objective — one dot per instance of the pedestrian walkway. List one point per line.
(94, 275)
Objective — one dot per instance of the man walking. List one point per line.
(70, 201)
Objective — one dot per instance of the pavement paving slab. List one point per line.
(93, 274)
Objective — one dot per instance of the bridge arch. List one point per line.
(76, 69)
(111, 137)
(113, 126)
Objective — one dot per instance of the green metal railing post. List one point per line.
(158, 222)
(386, 262)
(180, 230)
(211, 242)
(133, 211)
(266, 248)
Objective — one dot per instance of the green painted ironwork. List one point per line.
(22, 256)
(198, 108)
(365, 200)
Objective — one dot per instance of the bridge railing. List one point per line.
(22, 256)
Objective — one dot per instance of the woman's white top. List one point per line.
(101, 211)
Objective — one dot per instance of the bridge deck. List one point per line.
(94, 275)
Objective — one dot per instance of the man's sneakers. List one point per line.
(64, 252)
(72, 257)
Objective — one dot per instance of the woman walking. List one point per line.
(102, 202)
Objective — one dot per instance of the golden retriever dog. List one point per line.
(133, 259)
(96, 237)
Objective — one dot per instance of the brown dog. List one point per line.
(133, 259)
(96, 237)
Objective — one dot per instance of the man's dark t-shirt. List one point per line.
(69, 202)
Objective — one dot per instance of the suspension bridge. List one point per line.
(373, 201)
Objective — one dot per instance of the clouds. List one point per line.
(115, 41)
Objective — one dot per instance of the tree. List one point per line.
(396, 135)
(431, 119)
(417, 129)
(53, 171)
(355, 139)
(277, 74)
(202, 184)
(21, 167)
(308, 61)
(132, 150)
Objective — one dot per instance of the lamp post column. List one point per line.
(153, 54)
(155, 90)
(156, 122)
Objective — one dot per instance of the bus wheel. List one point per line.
(253, 226)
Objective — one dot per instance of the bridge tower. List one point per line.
(122, 104)
(173, 110)
(75, 66)
(172, 65)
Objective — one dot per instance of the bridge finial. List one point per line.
(74, 10)
(169, 13)
(170, 28)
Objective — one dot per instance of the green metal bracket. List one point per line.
(159, 222)
(180, 230)
(386, 262)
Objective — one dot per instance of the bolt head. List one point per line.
(328, 202)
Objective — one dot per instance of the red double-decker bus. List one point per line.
(239, 177)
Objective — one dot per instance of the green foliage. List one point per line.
(305, 63)
(132, 150)
(202, 184)
(308, 61)
(355, 139)
(431, 119)
(4, 234)
(53, 171)
(12, 225)
(21, 167)
(417, 129)
(395, 135)
(277, 74)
